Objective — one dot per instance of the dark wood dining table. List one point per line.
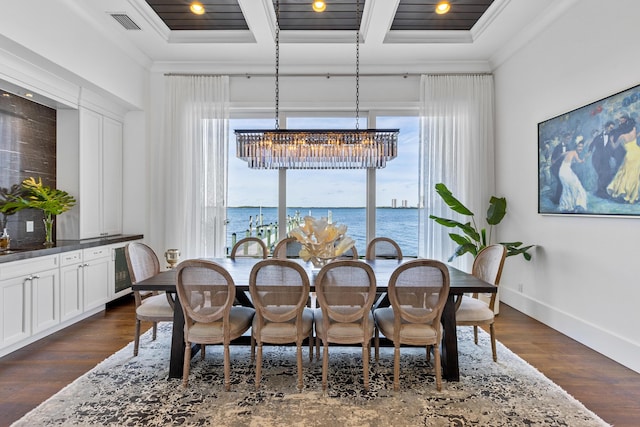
(240, 268)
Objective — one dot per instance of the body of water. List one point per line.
(400, 224)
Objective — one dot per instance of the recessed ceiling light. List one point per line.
(28, 95)
(319, 6)
(197, 8)
(443, 7)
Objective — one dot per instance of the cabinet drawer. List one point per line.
(28, 266)
(95, 253)
(70, 258)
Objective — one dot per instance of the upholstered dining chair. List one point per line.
(249, 247)
(346, 290)
(470, 310)
(384, 248)
(155, 307)
(351, 253)
(207, 293)
(418, 290)
(280, 290)
(289, 247)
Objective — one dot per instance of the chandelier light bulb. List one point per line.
(319, 6)
(443, 7)
(197, 8)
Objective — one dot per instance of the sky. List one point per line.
(327, 188)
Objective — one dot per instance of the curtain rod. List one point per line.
(328, 75)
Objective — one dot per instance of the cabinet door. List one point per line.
(45, 303)
(90, 200)
(15, 317)
(71, 291)
(96, 276)
(112, 177)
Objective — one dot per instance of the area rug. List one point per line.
(134, 391)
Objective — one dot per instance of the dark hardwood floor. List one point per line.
(34, 373)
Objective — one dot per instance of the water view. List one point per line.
(401, 224)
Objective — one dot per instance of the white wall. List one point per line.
(584, 276)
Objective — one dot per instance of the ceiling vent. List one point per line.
(125, 21)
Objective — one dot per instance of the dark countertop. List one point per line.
(20, 253)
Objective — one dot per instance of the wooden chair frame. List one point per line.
(404, 317)
(280, 311)
(357, 315)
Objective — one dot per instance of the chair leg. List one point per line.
(365, 364)
(311, 346)
(493, 342)
(187, 364)
(396, 368)
(325, 365)
(376, 343)
(428, 354)
(203, 351)
(253, 348)
(317, 346)
(155, 330)
(259, 365)
(436, 356)
(136, 340)
(299, 357)
(475, 335)
(227, 367)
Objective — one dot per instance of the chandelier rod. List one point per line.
(277, 74)
(357, 65)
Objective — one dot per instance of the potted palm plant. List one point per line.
(473, 240)
(36, 195)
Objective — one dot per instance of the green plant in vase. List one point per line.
(50, 201)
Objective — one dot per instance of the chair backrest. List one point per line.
(141, 261)
(384, 248)
(418, 291)
(206, 291)
(346, 290)
(489, 262)
(279, 289)
(289, 247)
(351, 253)
(249, 247)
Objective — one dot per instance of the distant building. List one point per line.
(394, 203)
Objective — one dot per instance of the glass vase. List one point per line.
(48, 231)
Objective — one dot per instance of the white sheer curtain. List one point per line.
(195, 164)
(457, 149)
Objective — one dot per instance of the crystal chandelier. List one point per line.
(317, 148)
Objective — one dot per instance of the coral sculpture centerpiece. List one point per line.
(321, 240)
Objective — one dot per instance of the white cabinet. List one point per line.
(71, 285)
(89, 164)
(29, 298)
(97, 276)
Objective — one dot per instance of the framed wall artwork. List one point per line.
(589, 159)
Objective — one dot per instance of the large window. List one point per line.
(252, 194)
(341, 194)
(397, 186)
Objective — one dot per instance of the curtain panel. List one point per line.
(457, 149)
(195, 164)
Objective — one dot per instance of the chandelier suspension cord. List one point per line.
(277, 63)
(357, 64)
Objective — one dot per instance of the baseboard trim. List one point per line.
(605, 342)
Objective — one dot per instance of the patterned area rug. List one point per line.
(134, 391)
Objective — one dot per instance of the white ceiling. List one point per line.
(506, 26)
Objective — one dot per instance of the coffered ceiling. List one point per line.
(410, 15)
(396, 36)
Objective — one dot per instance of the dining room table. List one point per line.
(240, 269)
